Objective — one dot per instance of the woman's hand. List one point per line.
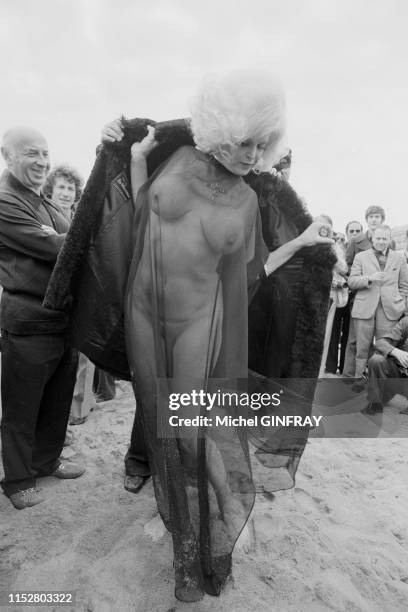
(112, 132)
(313, 234)
(310, 237)
(143, 148)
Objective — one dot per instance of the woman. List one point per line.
(341, 320)
(198, 246)
(338, 293)
(64, 187)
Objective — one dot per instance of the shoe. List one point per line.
(359, 385)
(103, 398)
(133, 484)
(189, 594)
(66, 469)
(26, 498)
(77, 420)
(372, 408)
(69, 438)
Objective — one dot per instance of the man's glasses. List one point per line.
(354, 231)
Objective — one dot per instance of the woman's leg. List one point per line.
(190, 357)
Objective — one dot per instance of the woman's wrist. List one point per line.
(138, 158)
(299, 242)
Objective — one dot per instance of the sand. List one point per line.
(337, 541)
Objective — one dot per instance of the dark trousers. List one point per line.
(339, 335)
(104, 385)
(384, 379)
(37, 383)
(136, 462)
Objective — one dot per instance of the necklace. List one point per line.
(216, 189)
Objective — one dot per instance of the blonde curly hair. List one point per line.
(232, 107)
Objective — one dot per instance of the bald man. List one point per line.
(38, 367)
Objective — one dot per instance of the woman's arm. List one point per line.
(138, 165)
(113, 132)
(310, 237)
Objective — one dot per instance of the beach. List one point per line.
(338, 540)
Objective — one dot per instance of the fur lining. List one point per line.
(312, 298)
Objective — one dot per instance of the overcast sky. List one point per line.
(69, 66)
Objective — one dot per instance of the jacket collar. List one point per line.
(388, 253)
(8, 180)
(373, 257)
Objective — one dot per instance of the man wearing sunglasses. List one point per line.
(353, 229)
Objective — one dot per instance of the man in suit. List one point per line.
(388, 368)
(380, 278)
(358, 242)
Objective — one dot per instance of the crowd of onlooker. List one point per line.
(368, 339)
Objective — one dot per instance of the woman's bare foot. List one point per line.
(233, 515)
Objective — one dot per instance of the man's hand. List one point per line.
(112, 132)
(49, 230)
(377, 277)
(400, 356)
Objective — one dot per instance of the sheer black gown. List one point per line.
(136, 285)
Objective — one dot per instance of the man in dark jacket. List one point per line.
(38, 366)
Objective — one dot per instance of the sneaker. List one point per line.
(66, 469)
(77, 420)
(26, 498)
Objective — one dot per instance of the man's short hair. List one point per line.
(382, 227)
(350, 222)
(375, 210)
